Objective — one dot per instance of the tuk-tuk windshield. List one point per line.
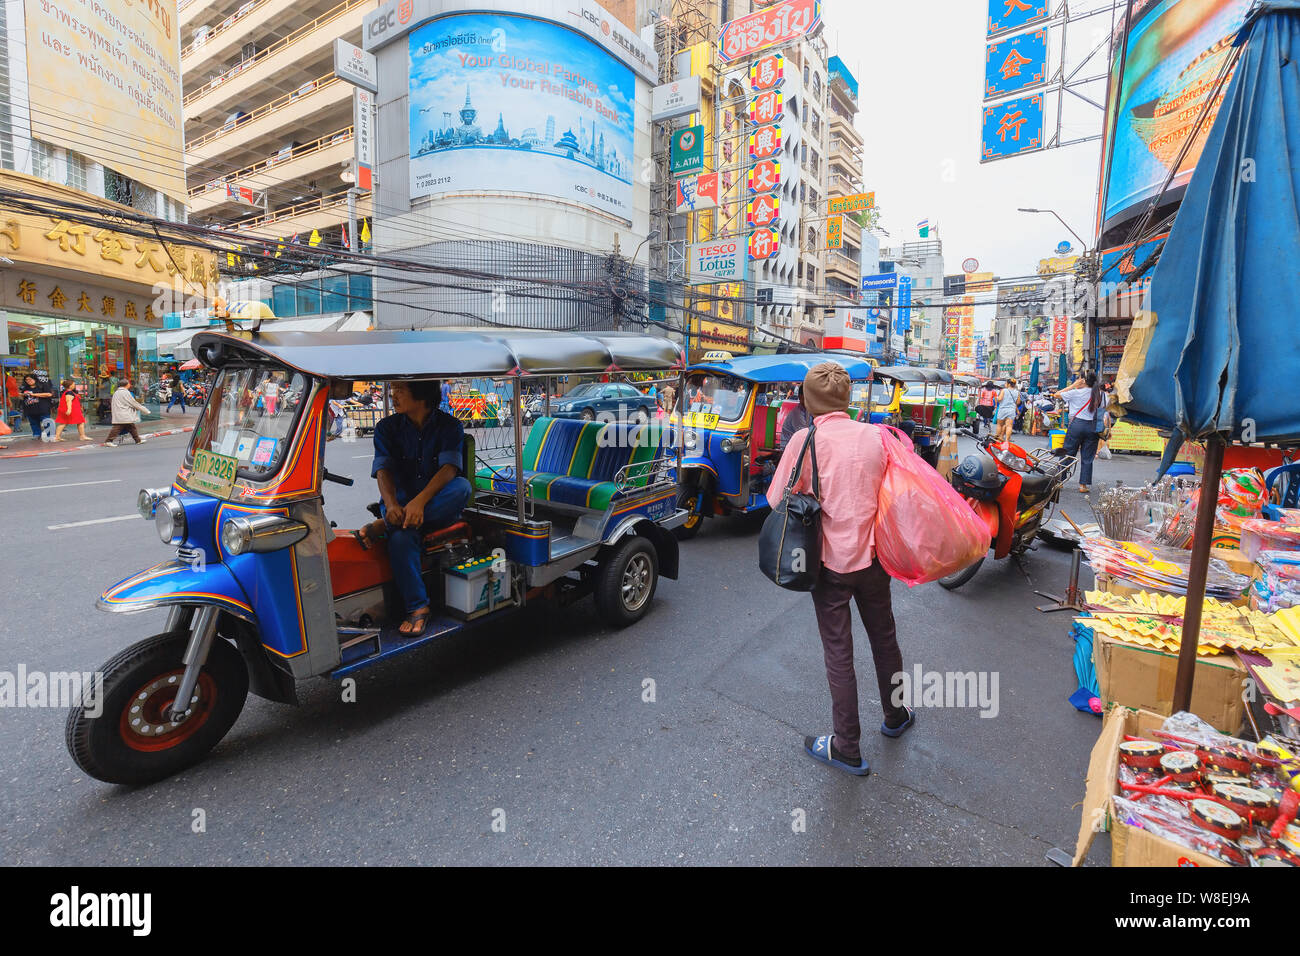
(250, 417)
(720, 395)
(882, 393)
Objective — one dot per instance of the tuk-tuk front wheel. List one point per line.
(689, 499)
(130, 734)
(626, 581)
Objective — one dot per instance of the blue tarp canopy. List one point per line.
(1222, 348)
(771, 369)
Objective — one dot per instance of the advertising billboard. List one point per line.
(771, 26)
(510, 104)
(123, 61)
(723, 260)
(1171, 62)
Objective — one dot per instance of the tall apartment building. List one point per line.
(843, 266)
(264, 114)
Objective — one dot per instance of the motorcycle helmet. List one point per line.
(978, 477)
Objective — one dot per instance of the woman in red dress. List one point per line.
(69, 413)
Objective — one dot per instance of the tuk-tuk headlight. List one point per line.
(690, 439)
(733, 444)
(147, 501)
(236, 535)
(260, 533)
(169, 519)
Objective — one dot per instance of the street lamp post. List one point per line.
(1087, 330)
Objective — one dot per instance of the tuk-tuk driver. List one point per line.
(418, 457)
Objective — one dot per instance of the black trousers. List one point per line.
(869, 589)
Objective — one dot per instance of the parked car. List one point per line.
(623, 402)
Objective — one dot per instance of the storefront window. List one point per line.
(334, 294)
(308, 296)
(283, 301)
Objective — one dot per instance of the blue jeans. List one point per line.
(37, 422)
(1082, 437)
(177, 396)
(405, 544)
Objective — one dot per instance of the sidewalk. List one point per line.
(23, 445)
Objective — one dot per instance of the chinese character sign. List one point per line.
(763, 244)
(767, 73)
(764, 177)
(1008, 15)
(1015, 64)
(1060, 335)
(763, 210)
(1011, 128)
(766, 107)
(768, 27)
(765, 142)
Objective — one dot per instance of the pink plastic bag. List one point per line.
(924, 529)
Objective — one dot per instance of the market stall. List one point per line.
(1195, 585)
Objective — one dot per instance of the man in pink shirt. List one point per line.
(851, 464)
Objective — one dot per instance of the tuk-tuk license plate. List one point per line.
(213, 474)
(702, 420)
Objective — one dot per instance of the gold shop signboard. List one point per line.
(23, 291)
(89, 259)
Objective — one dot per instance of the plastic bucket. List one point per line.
(1058, 437)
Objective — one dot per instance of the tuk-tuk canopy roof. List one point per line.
(772, 369)
(973, 381)
(373, 356)
(909, 374)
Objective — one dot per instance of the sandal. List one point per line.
(365, 537)
(417, 621)
(820, 749)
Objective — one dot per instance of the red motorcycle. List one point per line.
(1012, 490)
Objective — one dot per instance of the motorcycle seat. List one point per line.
(1034, 488)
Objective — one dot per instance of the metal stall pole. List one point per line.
(1197, 572)
(517, 415)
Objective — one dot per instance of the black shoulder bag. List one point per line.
(790, 544)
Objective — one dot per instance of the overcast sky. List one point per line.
(920, 70)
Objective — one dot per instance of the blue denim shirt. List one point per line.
(414, 455)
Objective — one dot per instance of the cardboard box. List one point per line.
(1143, 677)
(1129, 846)
(1234, 559)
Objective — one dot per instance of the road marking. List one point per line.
(82, 524)
(70, 484)
(31, 471)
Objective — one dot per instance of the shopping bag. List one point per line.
(790, 543)
(924, 529)
(4, 427)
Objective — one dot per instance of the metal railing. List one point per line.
(308, 88)
(278, 46)
(288, 212)
(283, 156)
(242, 11)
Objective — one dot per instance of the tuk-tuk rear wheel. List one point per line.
(124, 744)
(626, 581)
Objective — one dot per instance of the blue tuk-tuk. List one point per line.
(263, 591)
(731, 412)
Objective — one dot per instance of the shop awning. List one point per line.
(357, 322)
(176, 342)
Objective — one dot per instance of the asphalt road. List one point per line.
(543, 724)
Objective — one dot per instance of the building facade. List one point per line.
(86, 301)
(508, 164)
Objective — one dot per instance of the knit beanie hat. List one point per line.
(826, 389)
